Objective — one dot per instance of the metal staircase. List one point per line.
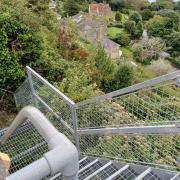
(100, 169)
(129, 134)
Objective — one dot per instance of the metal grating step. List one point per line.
(98, 169)
(151, 176)
(107, 172)
(92, 176)
(128, 174)
(89, 169)
(176, 177)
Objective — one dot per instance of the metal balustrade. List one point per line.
(138, 124)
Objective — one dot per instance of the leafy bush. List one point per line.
(160, 67)
(146, 14)
(71, 7)
(118, 16)
(148, 50)
(77, 84)
(134, 29)
(122, 77)
(123, 39)
(19, 47)
(159, 26)
(135, 16)
(101, 67)
(173, 41)
(175, 60)
(171, 14)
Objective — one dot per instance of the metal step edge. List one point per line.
(118, 172)
(143, 174)
(99, 170)
(173, 178)
(89, 165)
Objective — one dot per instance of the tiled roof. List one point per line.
(110, 44)
(101, 7)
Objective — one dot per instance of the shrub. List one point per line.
(176, 61)
(134, 29)
(173, 41)
(77, 83)
(159, 26)
(118, 16)
(146, 14)
(71, 7)
(160, 67)
(123, 39)
(123, 77)
(101, 67)
(135, 16)
(146, 51)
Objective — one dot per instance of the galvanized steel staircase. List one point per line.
(80, 123)
(99, 169)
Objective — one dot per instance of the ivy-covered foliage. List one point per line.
(19, 47)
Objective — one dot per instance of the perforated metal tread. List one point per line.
(99, 169)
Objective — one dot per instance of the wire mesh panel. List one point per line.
(158, 105)
(47, 98)
(24, 146)
(155, 150)
(23, 95)
(53, 104)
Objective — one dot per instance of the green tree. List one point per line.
(172, 15)
(101, 67)
(146, 14)
(137, 4)
(77, 83)
(159, 26)
(122, 77)
(173, 41)
(163, 4)
(134, 29)
(130, 26)
(18, 47)
(139, 30)
(117, 4)
(71, 7)
(177, 5)
(118, 16)
(135, 16)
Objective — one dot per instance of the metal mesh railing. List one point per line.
(153, 150)
(152, 103)
(56, 106)
(157, 105)
(24, 146)
(152, 106)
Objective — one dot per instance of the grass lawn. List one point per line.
(113, 31)
(127, 52)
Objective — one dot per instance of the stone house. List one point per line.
(101, 9)
(91, 29)
(111, 48)
(94, 30)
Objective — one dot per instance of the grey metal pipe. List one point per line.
(36, 170)
(63, 156)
